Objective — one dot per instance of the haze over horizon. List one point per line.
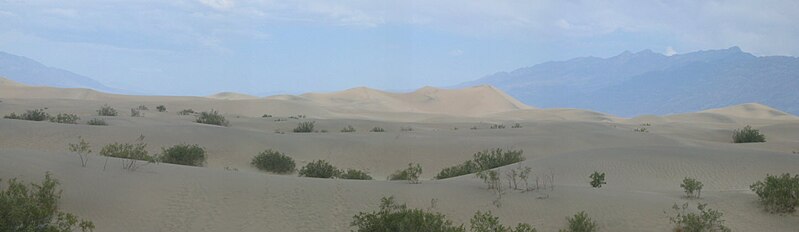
(268, 47)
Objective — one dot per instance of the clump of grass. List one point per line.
(748, 135)
(65, 118)
(97, 122)
(184, 154)
(106, 110)
(304, 127)
(348, 129)
(411, 174)
(377, 129)
(273, 161)
(213, 118)
(30, 115)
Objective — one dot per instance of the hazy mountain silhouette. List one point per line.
(650, 83)
(31, 72)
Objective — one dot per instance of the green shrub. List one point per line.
(135, 113)
(516, 125)
(597, 179)
(779, 194)
(30, 115)
(186, 112)
(65, 118)
(353, 174)
(483, 160)
(394, 217)
(348, 129)
(748, 135)
(97, 122)
(581, 223)
(377, 129)
(486, 222)
(266, 116)
(142, 107)
(497, 126)
(465, 168)
(131, 152)
(35, 208)
(692, 187)
(319, 169)
(213, 118)
(106, 110)
(304, 127)
(184, 154)
(161, 108)
(707, 220)
(273, 161)
(411, 174)
(83, 149)
(405, 129)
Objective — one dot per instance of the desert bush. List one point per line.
(779, 194)
(142, 107)
(273, 161)
(497, 126)
(161, 108)
(83, 150)
(213, 118)
(353, 174)
(106, 110)
(319, 169)
(304, 127)
(483, 160)
(266, 116)
(465, 168)
(580, 222)
(487, 222)
(399, 218)
(130, 152)
(183, 154)
(707, 220)
(641, 129)
(30, 115)
(406, 129)
(692, 187)
(348, 129)
(186, 112)
(35, 208)
(411, 174)
(97, 122)
(65, 118)
(135, 113)
(748, 135)
(516, 125)
(377, 129)
(597, 179)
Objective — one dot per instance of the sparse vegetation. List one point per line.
(348, 129)
(184, 154)
(516, 125)
(97, 122)
(186, 112)
(487, 222)
(142, 107)
(641, 129)
(266, 116)
(30, 115)
(580, 222)
(779, 194)
(132, 153)
(377, 129)
(707, 220)
(35, 208)
(213, 118)
(135, 113)
(83, 149)
(497, 126)
(399, 218)
(748, 135)
(106, 110)
(597, 179)
(319, 169)
(405, 129)
(411, 174)
(65, 118)
(353, 174)
(304, 127)
(161, 108)
(692, 187)
(273, 161)
(483, 160)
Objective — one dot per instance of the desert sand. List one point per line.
(644, 170)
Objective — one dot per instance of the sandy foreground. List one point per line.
(644, 170)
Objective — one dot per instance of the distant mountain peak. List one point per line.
(30, 72)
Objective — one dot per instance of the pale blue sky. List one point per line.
(184, 47)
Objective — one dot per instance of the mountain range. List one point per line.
(31, 72)
(646, 82)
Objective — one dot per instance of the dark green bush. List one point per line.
(707, 220)
(304, 127)
(393, 217)
(106, 110)
(35, 208)
(184, 154)
(597, 179)
(779, 194)
(348, 129)
(411, 174)
(692, 187)
(377, 129)
(748, 135)
(212, 117)
(186, 112)
(30, 115)
(97, 122)
(319, 169)
(65, 118)
(581, 223)
(161, 108)
(273, 161)
(353, 174)
(266, 116)
(483, 160)
(486, 222)
(465, 168)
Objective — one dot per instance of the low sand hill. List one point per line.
(644, 169)
(232, 96)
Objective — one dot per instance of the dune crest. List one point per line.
(232, 96)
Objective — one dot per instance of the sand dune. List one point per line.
(232, 96)
(643, 169)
